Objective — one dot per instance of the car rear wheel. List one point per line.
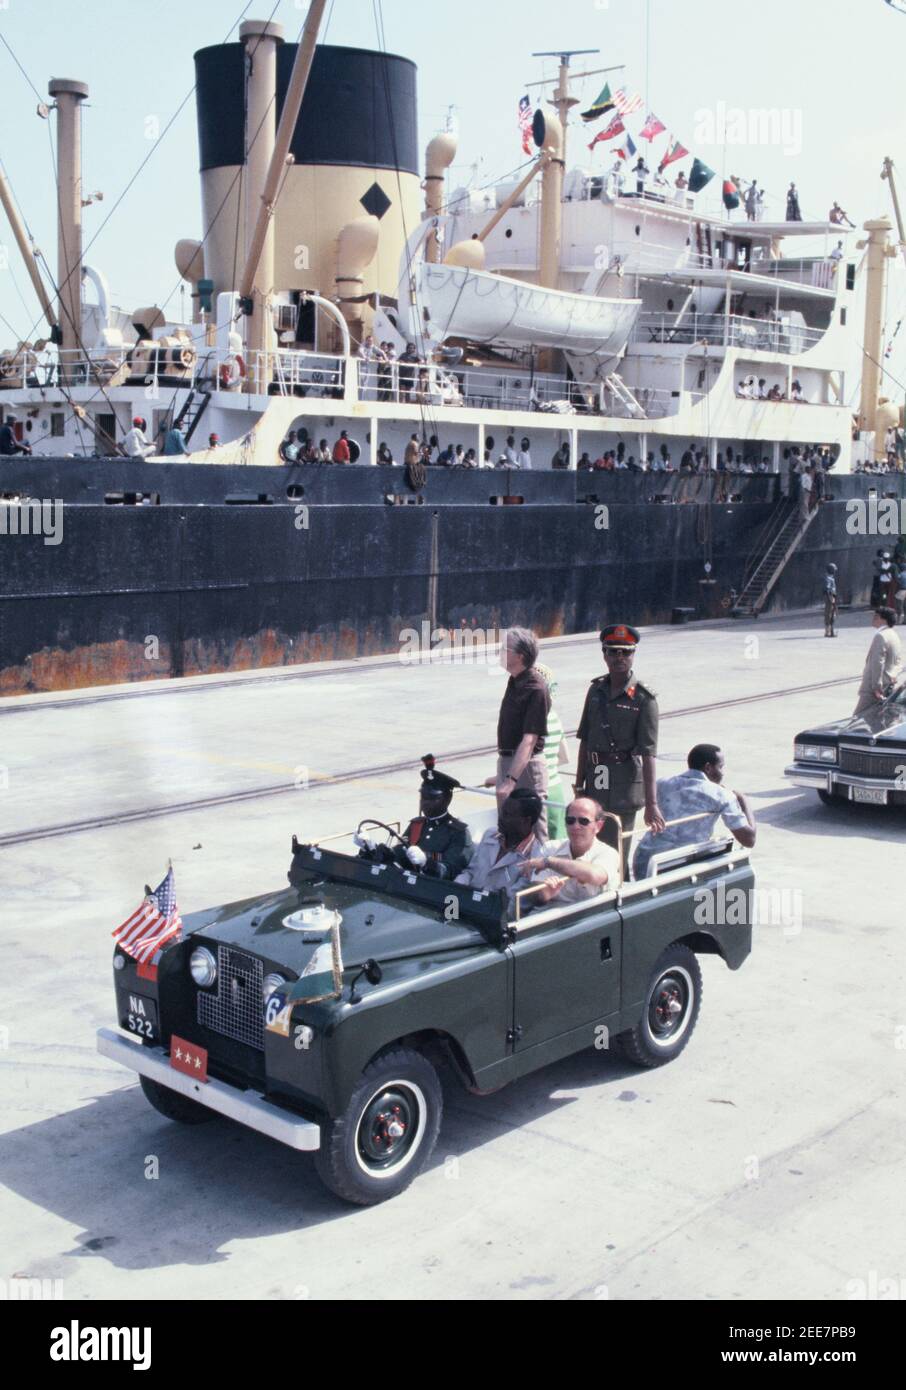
(173, 1105)
(671, 1010)
(388, 1131)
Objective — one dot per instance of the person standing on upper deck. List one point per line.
(793, 213)
(618, 740)
(522, 723)
(640, 173)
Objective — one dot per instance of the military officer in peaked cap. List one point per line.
(618, 739)
(434, 843)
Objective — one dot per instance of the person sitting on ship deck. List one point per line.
(584, 463)
(175, 442)
(324, 454)
(775, 393)
(289, 448)
(213, 441)
(796, 392)
(384, 456)
(341, 452)
(136, 444)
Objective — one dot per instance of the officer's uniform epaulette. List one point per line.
(645, 689)
(599, 680)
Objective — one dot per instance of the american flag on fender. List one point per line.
(626, 104)
(526, 116)
(155, 921)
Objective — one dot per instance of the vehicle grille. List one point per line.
(868, 764)
(236, 1009)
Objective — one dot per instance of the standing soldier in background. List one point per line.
(618, 741)
(830, 601)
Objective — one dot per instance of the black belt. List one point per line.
(506, 752)
(616, 755)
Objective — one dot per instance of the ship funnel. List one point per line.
(439, 156)
(357, 245)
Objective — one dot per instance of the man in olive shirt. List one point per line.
(522, 724)
(618, 741)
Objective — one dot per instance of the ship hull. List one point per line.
(239, 568)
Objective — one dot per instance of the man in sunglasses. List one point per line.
(618, 740)
(582, 865)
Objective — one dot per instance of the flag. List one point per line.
(322, 977)
(603, 103)
(699, 175)
(652, 127)
(616, 127)
(674, 152)
(627, 148)
(155, 921)
(626, 104)
(525, 123)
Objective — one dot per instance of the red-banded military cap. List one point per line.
(620, 637)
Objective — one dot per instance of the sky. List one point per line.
(831, 71)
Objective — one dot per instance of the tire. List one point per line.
(832, 799)
(661, 1035)
(357, 1160)
(173, 1105)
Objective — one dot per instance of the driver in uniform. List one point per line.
(434, 843)
(618, 741)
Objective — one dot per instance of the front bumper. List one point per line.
(254, 1111)
(830, 779)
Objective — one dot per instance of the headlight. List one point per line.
(828, 755)
(270, 986)
(812, 752)
(203, 967)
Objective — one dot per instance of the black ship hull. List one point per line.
(231, 568)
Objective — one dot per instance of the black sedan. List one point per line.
(860, 759)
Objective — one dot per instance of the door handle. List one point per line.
(606, 953)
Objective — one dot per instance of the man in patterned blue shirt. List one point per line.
(696, 792)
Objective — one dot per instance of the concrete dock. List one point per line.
(767, 1162)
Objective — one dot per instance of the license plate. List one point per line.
(141, 1017)
(188, 1057)
(874, 796)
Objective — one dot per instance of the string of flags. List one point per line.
(619, 105)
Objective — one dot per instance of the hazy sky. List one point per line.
(832, 70)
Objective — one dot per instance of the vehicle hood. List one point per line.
(886, 724)
(370, 926)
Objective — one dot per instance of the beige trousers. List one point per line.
(534, 779)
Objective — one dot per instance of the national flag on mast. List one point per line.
(652, 127)
(627, 148)
(699, 176)
(626, 104)
(600, 106)
(525, 123)
(154, 922)
(616, 127)
(674, 152)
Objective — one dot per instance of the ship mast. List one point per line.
(69, 96)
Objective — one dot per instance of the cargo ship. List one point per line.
(558, 318)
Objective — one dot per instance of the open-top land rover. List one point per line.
(426, 975)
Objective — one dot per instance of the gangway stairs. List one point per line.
(783, 538)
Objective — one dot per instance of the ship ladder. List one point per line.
(782, 539)
(188, 417)
(623, 394)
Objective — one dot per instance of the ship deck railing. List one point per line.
(733, 330)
